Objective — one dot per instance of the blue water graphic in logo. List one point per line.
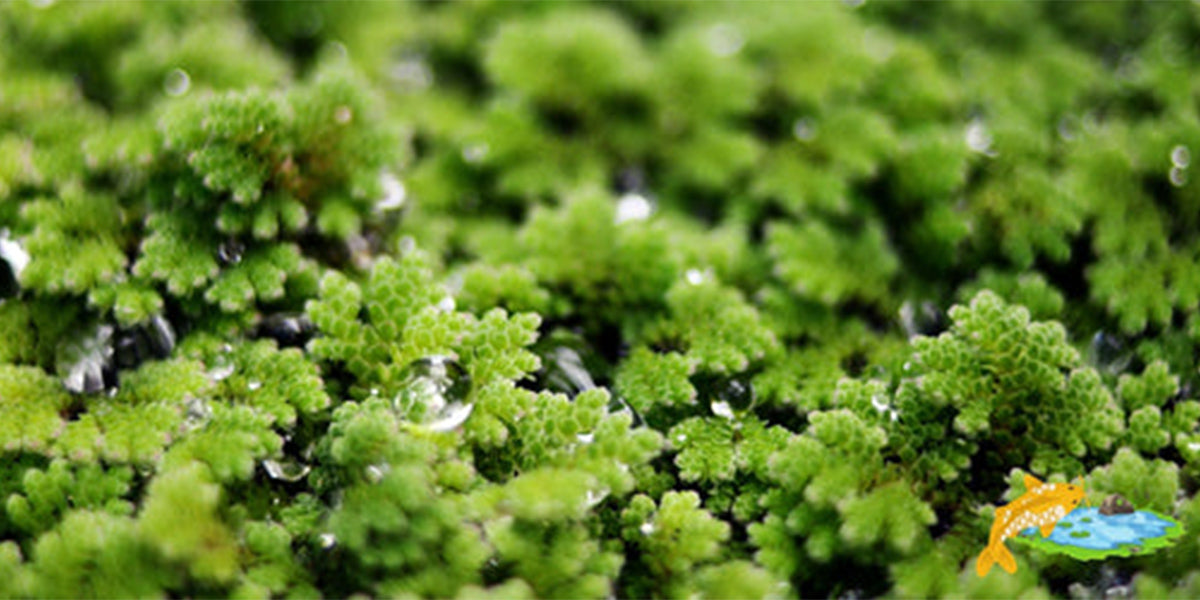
(1085, 529)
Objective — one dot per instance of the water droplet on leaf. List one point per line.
(196, 413)
(85, 363)
(287, 329)
(230, 252)
(646, 528)
(803, 129)
(177, 82)
(722, 409)
(394, 193)
(475, 153)
(1107, 353)
(1181, 157)
(1178, 176)
(585, 438)
(254, 385)
(434, 393)
(343, 114)
(633, 207)
(327, 540)
(978, 138)
(725, 40)
(285, 470)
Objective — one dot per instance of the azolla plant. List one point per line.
(635, 300)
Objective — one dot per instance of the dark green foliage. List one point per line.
(536, 300)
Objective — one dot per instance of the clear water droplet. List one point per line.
(595, 497)
(434, 393)
(633, 207)
(447, 304)
(394, 193)
(411, 73)
(565, 371)
(196, 412)
(696, 276)
(804, 129)
(475, 153)
(1068, 128)
(737, 394)
(585, 438)
(343, 114)
(82, 362)
(287, 329)
(327, 540)
(254, 385)
(221, 369)
(725, 40)
(1178, 176)
(1107, 353)
(177, 82)
(375, 473)
(722, 409)
(230, 251)
(681, 438)
(926, 319)
(978, 138)
(1181, 157)
(286, 470)
(647, 528)
(12, 252)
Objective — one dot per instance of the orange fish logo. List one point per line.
(1041, 506)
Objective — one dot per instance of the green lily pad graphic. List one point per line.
(1085, 534)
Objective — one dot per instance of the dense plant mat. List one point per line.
(574, 300)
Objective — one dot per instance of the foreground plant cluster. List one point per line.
(503, 300)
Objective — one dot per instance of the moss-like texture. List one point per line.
(584, 300)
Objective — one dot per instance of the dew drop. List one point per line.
(696, 276)
(681, 438)
(595, 497)
(375, 473)
(254, 385)
(285, 470)
(411, 73)
(230, 252)
(222, 368)
(647, 528)
(978, 138)
(803, 129)
(327, 540)
(1180, 156)
(722, 409)
(83, 362)
(447, 304)
(1178, 176)
(1107, 353)
(343, 114)
(196, 412)
(926, 319)
(13, 253)
(475, 153)
(287, 329)
(434, 393)
(585, 438)
(736, 394)
(566, 372)
(725, 40)
(394, 193)
(633, 207)
(177, 82)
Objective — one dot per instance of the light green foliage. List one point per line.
(180, 520)
(543, 300)
(718, 330)
(647, 379)
(74, 244)
(714, 448)
(49, 493)
(1146, 483)
(994, 374)
(30, 401)
(672, 538)
(831, 266)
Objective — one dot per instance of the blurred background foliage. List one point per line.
(646, 299)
